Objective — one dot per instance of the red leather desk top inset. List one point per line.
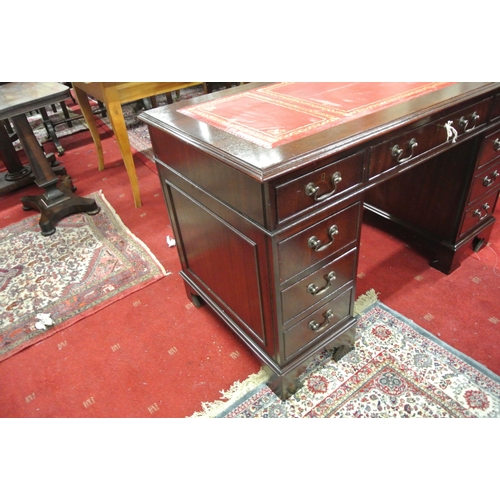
(283, 112)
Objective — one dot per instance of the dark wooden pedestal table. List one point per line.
(58, 199)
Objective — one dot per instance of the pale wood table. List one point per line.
(113, 95)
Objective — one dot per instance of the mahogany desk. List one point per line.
(268, 237)
(113, 95)
(58, 200)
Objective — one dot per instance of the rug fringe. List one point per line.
(131, 234)
(364, 301)
(239, 389)
(235, 392)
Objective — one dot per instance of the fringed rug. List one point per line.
(88, 263)
(396, 370)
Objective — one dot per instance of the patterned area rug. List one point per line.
(88, 263)
(396, 370)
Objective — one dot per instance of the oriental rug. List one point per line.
(397, 370)
(50, 282)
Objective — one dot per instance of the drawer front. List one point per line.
(411, 145)
(317, 324)
(495, 109)
(488, 179)
(318, 285)
(490, 148)
(318, 242)
(318, 187)
(478, 212)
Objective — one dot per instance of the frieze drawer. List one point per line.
(317, 324)
(318, 285)
(417, 142)
(478, 212)
(318, 242)
(318, 187)
(490, 149)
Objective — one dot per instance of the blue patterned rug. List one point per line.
(396, 370)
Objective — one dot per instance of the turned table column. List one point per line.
(57, 200)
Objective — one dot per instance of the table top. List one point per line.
(17, 98)
(264, 163)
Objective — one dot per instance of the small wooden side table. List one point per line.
(113, 95)
(58, 200)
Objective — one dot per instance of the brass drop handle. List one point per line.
(316, 290)
(496, 145)
(478, 212)
(397, 152)
(315, 243)
(319, 327)
(464, 123)
(313, 190)
(488, 181)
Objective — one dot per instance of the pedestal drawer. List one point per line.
(478, 212)
(317, 324)
(322, 240)
(318, 285)
(487, 179)
(490, 149)
(318, 187)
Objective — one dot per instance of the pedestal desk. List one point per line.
(268, 232)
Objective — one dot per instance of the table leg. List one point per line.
(120, 129)
(83, 101)
(10, 158)
(18, 175)
(58, 201)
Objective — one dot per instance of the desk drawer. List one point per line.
(317, 323)
(318, 285)
(495, 108)
(318, 187)
(318, 242)
(419, 141)
(478, 212)
(488, 179)
(490, 148)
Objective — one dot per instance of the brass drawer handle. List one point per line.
(315, 290)
(312, 189)
(317, 327)
(315, 243)
(464, 123)
(397, 152)
(496, 145)
(478, 212)
(488, 181)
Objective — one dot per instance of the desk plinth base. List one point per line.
(57, 203)
(442, 255)
(286, 383)
(283, 382)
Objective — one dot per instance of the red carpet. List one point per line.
(153, 354)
